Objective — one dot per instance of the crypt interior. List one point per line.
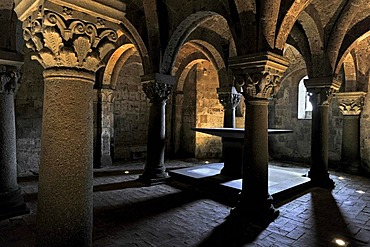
(91, 88)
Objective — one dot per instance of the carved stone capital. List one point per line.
(322, 89)
(158, 87)
(258, 75)
(350, 103)
(229, 97)
(106, 95)
(9, 82)
(64, 37)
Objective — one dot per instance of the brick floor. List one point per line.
(129, 214)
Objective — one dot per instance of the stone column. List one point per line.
(11, 200)
(257, 78)
(70, 44)
(231, 150)
(157, 87)
(350, 104)
(229, 98)
(104, 127)
(321, 90)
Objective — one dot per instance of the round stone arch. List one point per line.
(288, 22)
(115, 63)
(356, 35)
(350, 75)
(183, 32)
(210, 53)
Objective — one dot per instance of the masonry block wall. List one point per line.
(209, 112)
(131, 113)
(29, 101)
(296, 146)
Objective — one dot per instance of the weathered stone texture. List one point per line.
(131, 112)
(209, 111)
(29, 102)
(283, 114)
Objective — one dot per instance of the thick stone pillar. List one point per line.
(105, 128)
(157, 87)
(70, 41)
(231, 150)
(350, 104)
(321, 90)
(257, 78)
(11, 200)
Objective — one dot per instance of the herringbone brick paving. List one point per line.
(126, 213)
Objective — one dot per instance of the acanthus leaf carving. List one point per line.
(68, 43)
(52, 40)
(82, 47)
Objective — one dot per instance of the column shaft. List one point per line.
(11, 200)
(155, 170)
(104, 128)
(256, 203)
(65, 186)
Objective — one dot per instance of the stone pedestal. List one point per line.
(231, 150)
(70, 40)
(11, 200)
(157, 87)
(257, 77)
(103, 157)
(321, 90)
(350, 104)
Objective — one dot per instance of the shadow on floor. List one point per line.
(232, 233)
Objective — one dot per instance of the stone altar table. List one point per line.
(233, 142)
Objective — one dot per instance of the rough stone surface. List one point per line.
(29, 103)
(131, 113)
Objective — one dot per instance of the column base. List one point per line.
(12, 204)
(247, 212)
(153, 179)
(321, 179)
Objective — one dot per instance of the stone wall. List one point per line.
(209, 112)
(283, 114)
(365, 136)
(29, 100)
(131, 113)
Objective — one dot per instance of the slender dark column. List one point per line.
(321, 90)
(257, 77)
(231, 150)
(255, 202)
(350, 104)
(11, 200)
(157, 87)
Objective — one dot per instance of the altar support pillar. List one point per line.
(11, 200)
(257, 77)
(157, 87)
(104, 128)
(350, 104)
(71, 50)
(231, 150)
(321, 90)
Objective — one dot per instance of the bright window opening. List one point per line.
(304, 104)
